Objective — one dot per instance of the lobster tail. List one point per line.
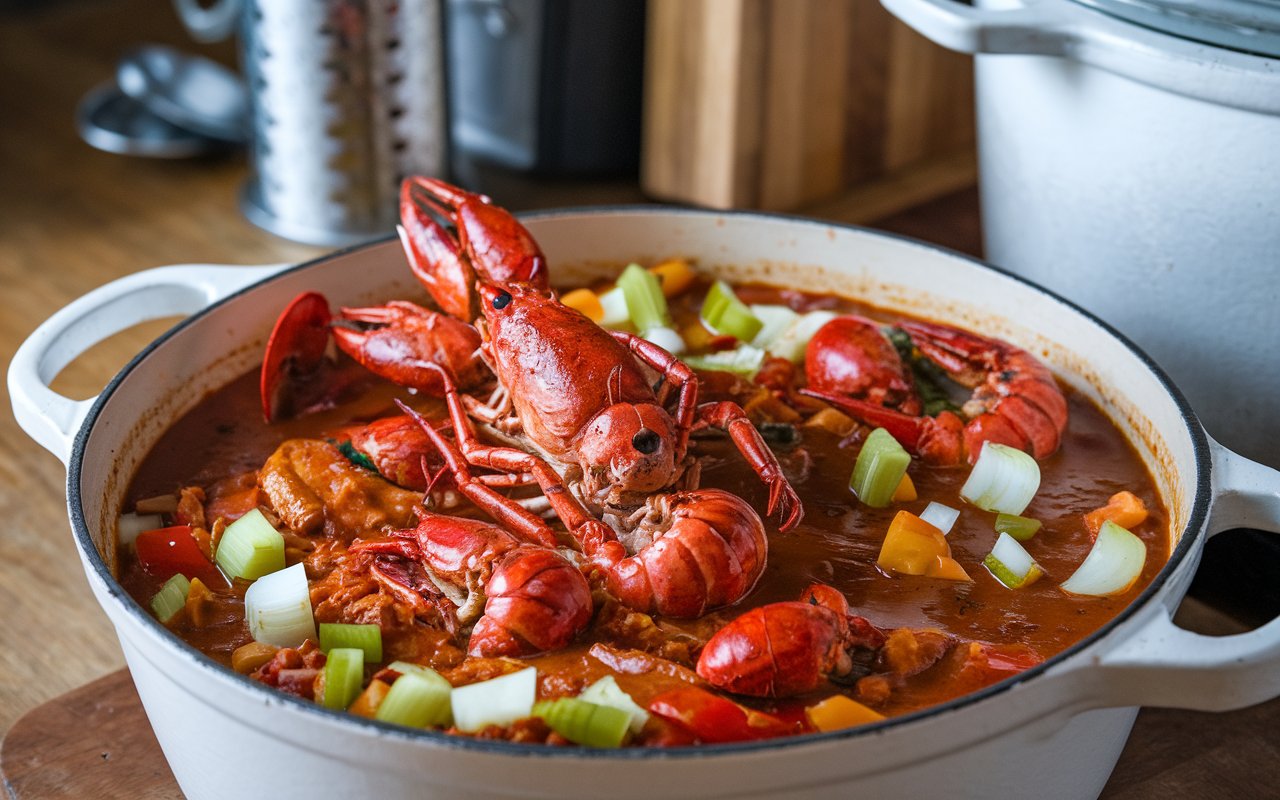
(537, 601)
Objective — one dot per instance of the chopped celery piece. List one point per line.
(418, 699)
(725, 314)
(171, 598)
(666, 338)
(1003, 480)
(1011, 564)
(368, 638)
(500, 701)
(794, 341)
(941, 517)
(343, 674)
(775, 321)
(745, 361)
(607, 692)
(1020, 528)
(613, 306)
(250, 548)
(277, 608)
(1114, 562)
(879, 469)
(584, 723)
(646, 304)
(130, 525)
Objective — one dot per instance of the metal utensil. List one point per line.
(187, 90)
(110, 120)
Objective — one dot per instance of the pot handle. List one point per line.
(1039, 28)
(1164, 665)
(52, 419)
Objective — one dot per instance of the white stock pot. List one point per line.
(1130, 160)
(1056, 729)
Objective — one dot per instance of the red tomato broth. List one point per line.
(836, 543)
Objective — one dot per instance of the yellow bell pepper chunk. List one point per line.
(366, 705)
(1125, 509)
(839, 712)
(675, 275)
(586, 301)
(906, 491)
(914, 547)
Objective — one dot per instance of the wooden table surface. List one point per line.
(72, 218)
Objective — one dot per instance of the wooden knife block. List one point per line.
(832, 106)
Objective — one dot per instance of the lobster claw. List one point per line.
(404, 342)
(295, 350)
(489, 244)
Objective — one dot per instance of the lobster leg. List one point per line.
(730, 417)
(676, 373)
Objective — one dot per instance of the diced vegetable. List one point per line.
(419, 698)
(1125, 509)
(696, 336)
(915, 547)
(1114, 562)
(343, 674)
(1003, 480)
(277, 608)
(745, 360)
(714, 719)
(613, 304)
(500, 701)
(1020, 528)
(941, 517)
(370, 700)
(171, 598)
(607, 692)
(584, 723)
(250, 548)
(725, 314)
(586, 301)
(675, 275)
(130, 525)
(667, 339)
(906, 491)
(793, 342)
(646, 305)
(879, 469)
(368, 638)
(839, 712)
(1011, 564)
(775, 320)
(168, 551)
(248, 657)
(160, 504)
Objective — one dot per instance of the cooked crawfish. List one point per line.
(789, 648)
(1015, 401)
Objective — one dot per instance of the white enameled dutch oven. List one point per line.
(1130, 161)
(1055, 730)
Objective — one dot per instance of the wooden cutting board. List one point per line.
(94, 742)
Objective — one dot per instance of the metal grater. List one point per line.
(348, 98)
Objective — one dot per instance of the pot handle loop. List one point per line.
(1164, 665)
(52, 419)
(1035, 28)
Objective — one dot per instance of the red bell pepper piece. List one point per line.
(164, 552)
(713, 719)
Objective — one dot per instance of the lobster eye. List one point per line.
(646, 441)
(500, 302)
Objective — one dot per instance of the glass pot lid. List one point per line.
(1249, 26)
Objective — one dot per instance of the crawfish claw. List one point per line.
(783, 498)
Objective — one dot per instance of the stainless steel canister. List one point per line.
(348, 97)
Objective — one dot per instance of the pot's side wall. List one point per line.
(1154, 211)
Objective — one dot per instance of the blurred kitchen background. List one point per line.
(273, 130)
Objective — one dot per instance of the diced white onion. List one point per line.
(776, 320)
(667, 339)
(278, 608)
(1113, 564)
(130, 525)
(607, 692)
(616, 315)
(941, 517)
(1003, 480)
(500, 701)
(795, 339)
(1010, 552)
